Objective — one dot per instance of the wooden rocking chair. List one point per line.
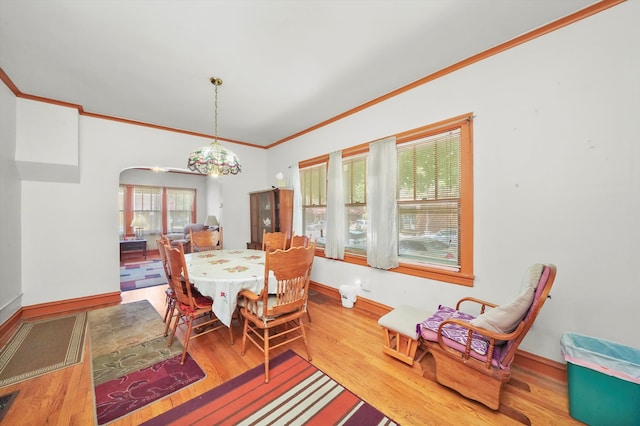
(473, 355)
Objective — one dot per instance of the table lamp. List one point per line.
(138, 224)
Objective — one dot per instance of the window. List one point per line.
(313, 186)
(354, 174)
(179, 208)
(434, 201)
(429, 200)
(162, 209)
(147, 203)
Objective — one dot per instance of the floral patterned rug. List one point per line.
(132, 365)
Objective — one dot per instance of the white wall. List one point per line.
(59, 260)
(556, 149)
(49, 151)
(10, 243)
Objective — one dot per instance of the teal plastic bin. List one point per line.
(603, 380)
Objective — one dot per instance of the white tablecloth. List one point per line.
(222, 274)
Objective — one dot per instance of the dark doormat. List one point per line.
(5, 403)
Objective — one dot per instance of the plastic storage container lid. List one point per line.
(613, 359)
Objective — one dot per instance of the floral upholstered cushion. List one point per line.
(428, 329)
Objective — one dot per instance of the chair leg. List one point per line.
(266, 354)
(187, 337)
(171, 312)
(173, 330)
(308, 314)
(244, 335)
(304, 339)
(230, 333)
(166, 312)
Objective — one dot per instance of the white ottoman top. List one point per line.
(404, 320)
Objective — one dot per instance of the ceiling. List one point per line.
(286, 65)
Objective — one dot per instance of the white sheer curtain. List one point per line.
(334, 244)
(297, 200)
(382, 222)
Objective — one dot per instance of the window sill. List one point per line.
(415, 270)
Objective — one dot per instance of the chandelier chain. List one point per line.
(215, 134)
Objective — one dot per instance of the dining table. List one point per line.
(222, 274)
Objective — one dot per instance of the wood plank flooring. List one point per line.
(345, 343)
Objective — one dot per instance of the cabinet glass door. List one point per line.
(265, 210)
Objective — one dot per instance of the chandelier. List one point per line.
(214, 160)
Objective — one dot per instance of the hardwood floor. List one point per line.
(344, 343)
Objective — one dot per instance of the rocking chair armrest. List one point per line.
(484, 303)
(483, 331)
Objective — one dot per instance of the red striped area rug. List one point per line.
(297, 393)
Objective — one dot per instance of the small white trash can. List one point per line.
(347, 295)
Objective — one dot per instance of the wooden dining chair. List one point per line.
(206, 240)
(299, 241)
(190, 305)
(264, 312)
(170, 301)
(274, 240)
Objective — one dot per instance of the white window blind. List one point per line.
(147, 202)
(179, 208)
(429, 200)
(313, 187)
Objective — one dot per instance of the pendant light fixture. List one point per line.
(214, 160)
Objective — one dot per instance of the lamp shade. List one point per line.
(212, 222)
(138, 221)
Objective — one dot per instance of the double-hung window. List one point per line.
(354, 175)
(179, 208)
(429, 200)
(147, 203)
(313, 186)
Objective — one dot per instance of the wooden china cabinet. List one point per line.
(271, 210)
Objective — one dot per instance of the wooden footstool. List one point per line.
(400, 335)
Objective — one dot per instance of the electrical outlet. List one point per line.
(365, 285)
